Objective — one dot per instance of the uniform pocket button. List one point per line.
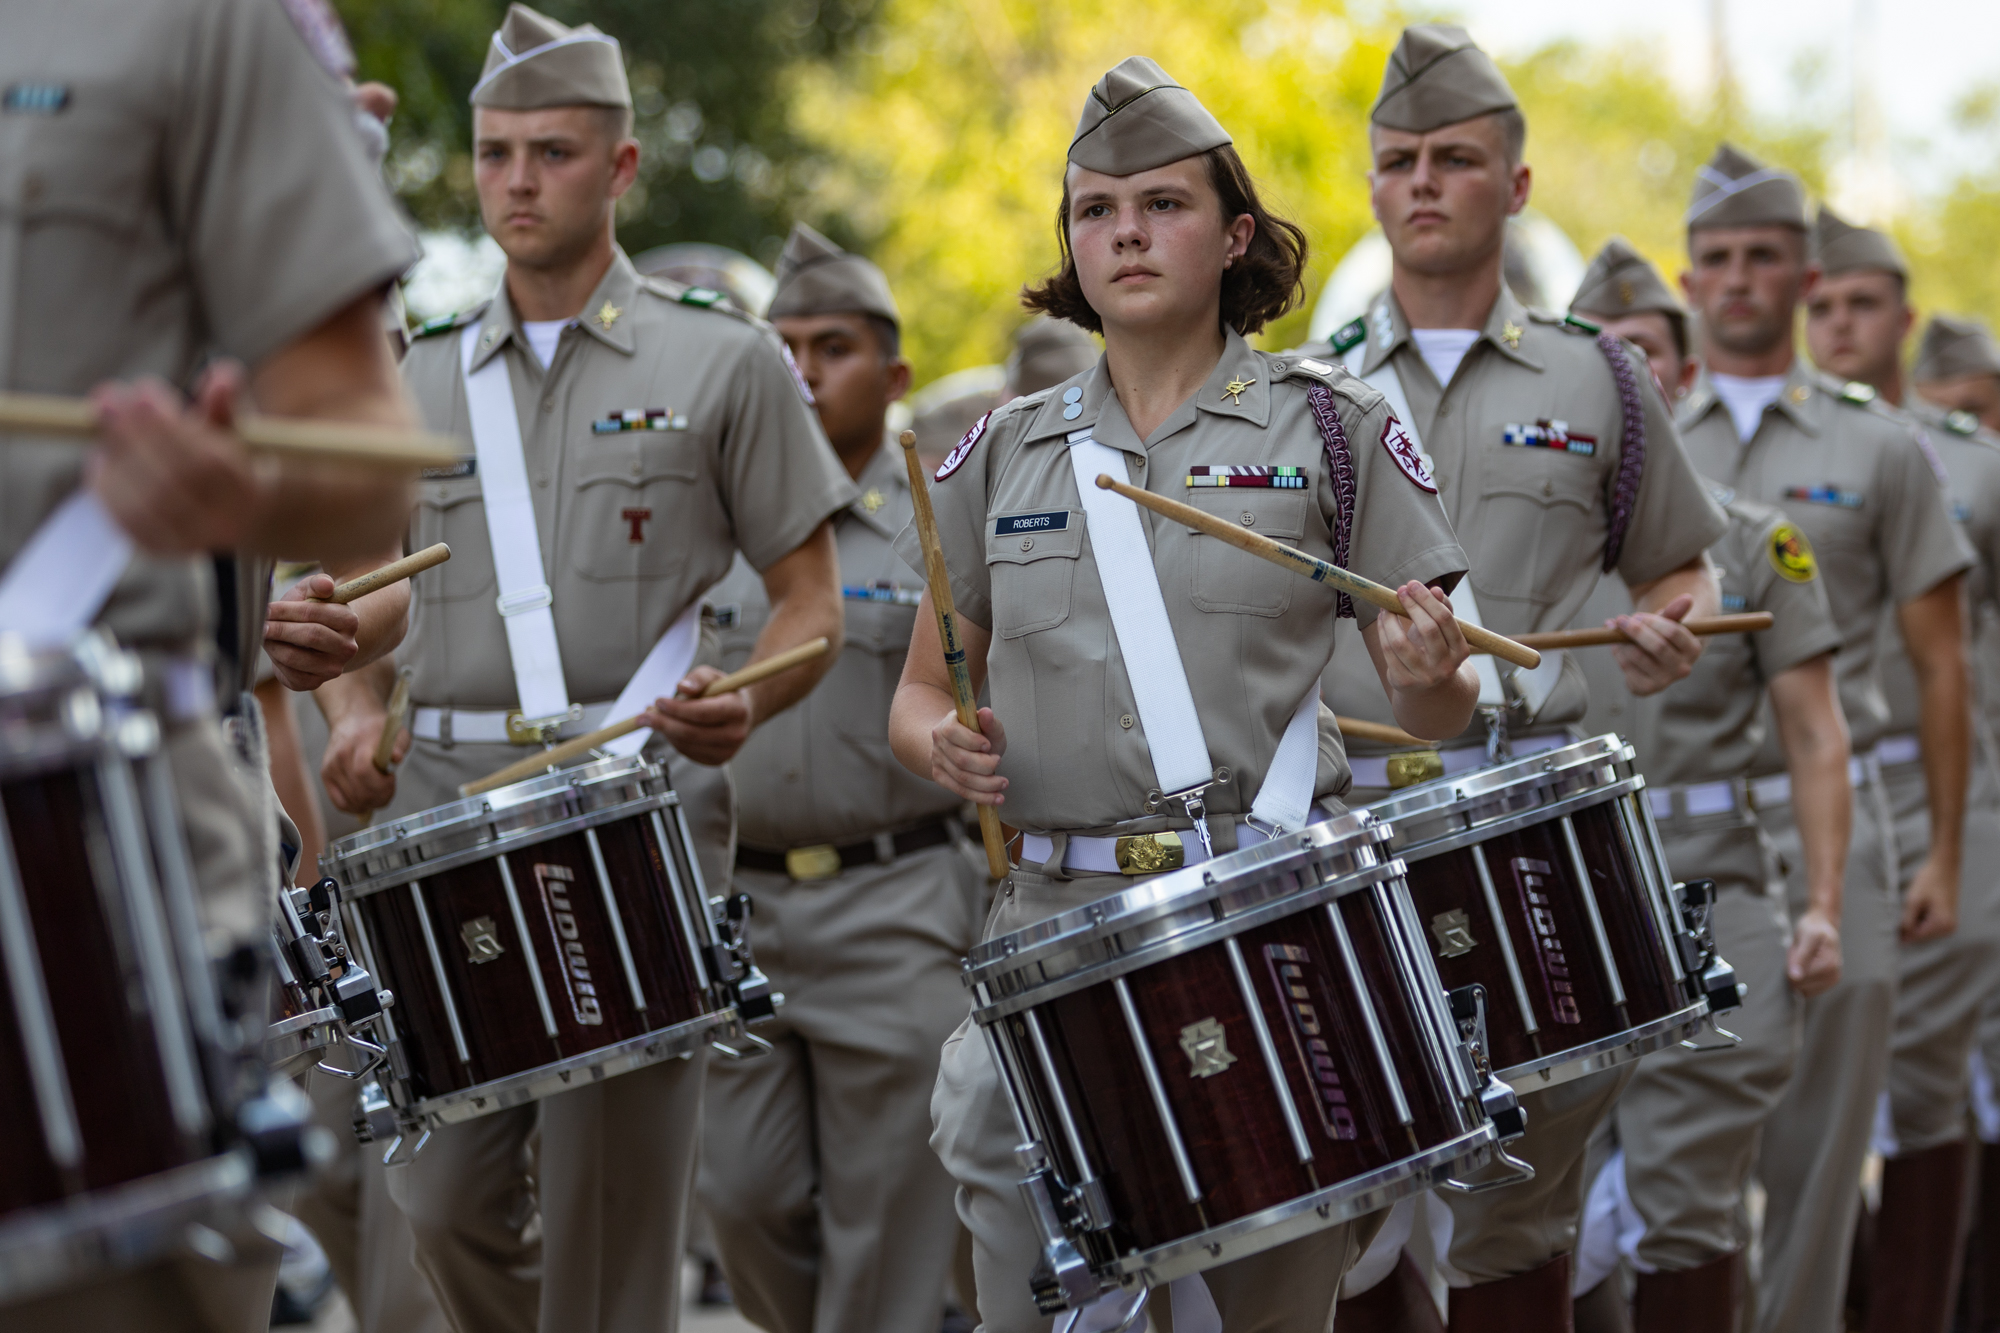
(1027, 543)
(1126, 721)
(1249, 519)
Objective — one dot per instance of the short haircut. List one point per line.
(615, 121)
(1263, 284)
(1513, 133)
(888, 338)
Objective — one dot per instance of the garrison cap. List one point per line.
(535, 62)
(1621, 282)
(1437, 75)
(817, 277)
(1736, 190)
(1953, 347)
(1842, 247)
(1047, 352)
(1138, 118)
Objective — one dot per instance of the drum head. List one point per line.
(1449, 812)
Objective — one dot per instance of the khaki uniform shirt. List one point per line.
(1534, 518)
(633, 524)
(177, 179)
(1253, 637)
(821, 771)
(1851, 475)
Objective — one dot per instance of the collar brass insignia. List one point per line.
(873, 501)
(1510, 333)
(1234, 390)
(607, 315)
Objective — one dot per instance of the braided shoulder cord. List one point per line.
(1340, 461)
(1631, 449)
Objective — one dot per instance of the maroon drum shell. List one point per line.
(104, 1029)
(1231, 1123)
(583, 976)
(1568, 987)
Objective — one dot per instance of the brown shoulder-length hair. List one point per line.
(1259, 287)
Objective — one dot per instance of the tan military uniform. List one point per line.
(830, 1212)
(1537, 519)
(634, 525)
(176, 180)
(1690, 1122)
(1851, 476)
(1940, 983)
(1253, 638)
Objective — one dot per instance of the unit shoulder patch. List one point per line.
(1404, 451)
(955, 460)
(1792, 555)
(1348, 336)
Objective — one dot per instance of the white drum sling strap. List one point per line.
(57, 583)
(1160, 693)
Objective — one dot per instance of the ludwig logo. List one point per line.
(554, 883)
(1288, 964)
(1533, 880)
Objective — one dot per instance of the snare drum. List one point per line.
(1543, 880)
(541, 936)
(1225, 1058)
(118, 1094)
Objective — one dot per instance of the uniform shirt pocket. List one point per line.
(1032, 564)
(1536, 532)
(633, 493)
(1228, 580)
(452, 512)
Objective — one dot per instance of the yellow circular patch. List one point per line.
(1792, 555)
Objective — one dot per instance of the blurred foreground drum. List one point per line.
(1230, 1056)
(543, 935)
(129, 1126)
(1543, 881)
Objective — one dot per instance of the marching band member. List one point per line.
(631, 435)
(1853, 478)
(1168, 252)
(1557, 461)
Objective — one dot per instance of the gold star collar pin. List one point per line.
(1234, 390)
(1798, 393)
(607, 315)
(873, 501)
(1510, 333)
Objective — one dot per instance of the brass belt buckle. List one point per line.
(1414, 766)
(821, 861)
(1149, 853)
(538, 730)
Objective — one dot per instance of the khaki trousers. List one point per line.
(569, 1214)
(1691, 1120)
(1941, 984)
(1816, 1139)
(830, 1212)
(1289, 1289)
(366, 1237)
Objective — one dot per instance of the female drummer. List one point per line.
(1155, 692)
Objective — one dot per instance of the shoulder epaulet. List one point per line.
(701, 298)
(1583, 325)
(1348, 336)
(1854, 391)
(430, 328)
(1961, 423)
(1332, 374)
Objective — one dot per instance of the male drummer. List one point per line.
(1854, 479)
(650, 432)
(1690, 1120)
(1856, 321)
(1556, 460)
(830, 1210)
(140, 253)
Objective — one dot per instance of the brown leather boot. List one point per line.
(1914, 1282)
(1532, 1302)
(1708, 1299)
(1399, 1303)
(1603, 1309)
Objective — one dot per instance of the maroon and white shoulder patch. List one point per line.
(1404, 450)
(956, 458)
(798, 378)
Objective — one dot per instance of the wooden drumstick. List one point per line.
(327, 441)
(962, 695)
(375, 579)
(392, 727)
(558, 755)
(1381, 733)
(1748, 622)
(1312, 567)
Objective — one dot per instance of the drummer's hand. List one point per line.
(1425, 648)
(708, 731)
(310, 641)
(353, 783)
(1930, 905)
(1812, 964)
(1661, 650)
(966, 763)
(173, 475)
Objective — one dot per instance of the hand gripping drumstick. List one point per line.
(1314, 568)
(392, 726)
(376, 579)
(328, 441)
(954, 652)
(557, 755)
(1748, 622)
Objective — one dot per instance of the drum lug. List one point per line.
(1090, 1206)
(1496, 1099)
(1062, 1279)
(1710, 977)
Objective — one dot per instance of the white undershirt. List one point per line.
(1443, 349)
(543, 335)
(1746, 398)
